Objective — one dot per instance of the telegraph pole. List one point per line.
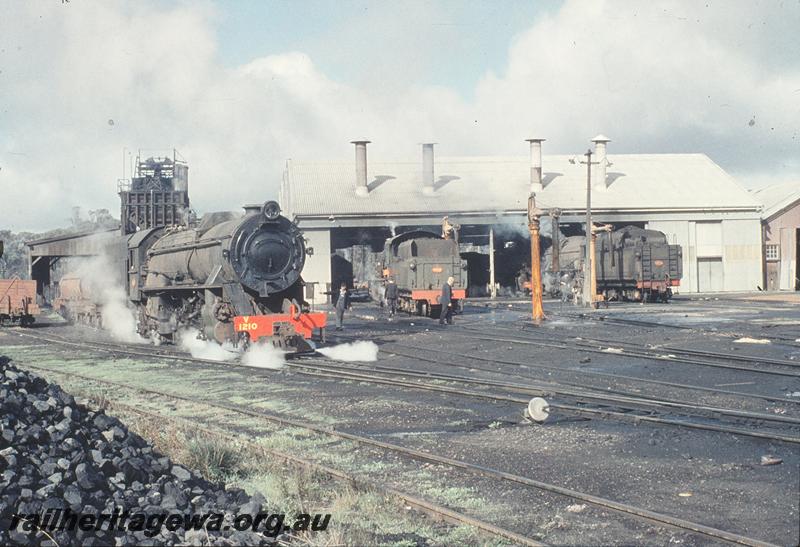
(588, 297)
(492, 282)
(537, 310)
(588, 263)
(555, 234)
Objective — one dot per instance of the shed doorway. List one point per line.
(709, 275)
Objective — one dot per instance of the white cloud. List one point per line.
(677, 76)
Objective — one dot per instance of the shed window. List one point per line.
(773, 252)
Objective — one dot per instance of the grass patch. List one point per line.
(215, 459)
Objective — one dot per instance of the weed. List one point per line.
(214, 459)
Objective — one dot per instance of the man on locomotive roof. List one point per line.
(446, 301)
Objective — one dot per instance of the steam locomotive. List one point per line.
(632, 263)
(420, 263)
(235, 279)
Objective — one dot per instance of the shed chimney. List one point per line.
(361, 167)
(427, 168)
(600, 142)
(536, 164)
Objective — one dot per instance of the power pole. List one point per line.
(588, 263)
(492, 282)
(537, 310)
(555, 233)
(588, 297)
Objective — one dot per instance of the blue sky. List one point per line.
(445, 42)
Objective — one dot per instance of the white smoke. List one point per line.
(356, 351)
(101, 287)
(205, 349)
(264, 356)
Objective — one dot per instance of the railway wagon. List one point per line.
(18, 302)
(76, 301)
(420, 263)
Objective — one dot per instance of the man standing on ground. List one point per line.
(391, 296)
(342, 304)
(446, 301)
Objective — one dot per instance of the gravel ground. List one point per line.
(712, 478)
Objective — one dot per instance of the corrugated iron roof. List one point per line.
(468, 184)
(777, 197)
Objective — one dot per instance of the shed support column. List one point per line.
(492, 284)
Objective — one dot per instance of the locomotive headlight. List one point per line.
(413, 265)
(271, 210)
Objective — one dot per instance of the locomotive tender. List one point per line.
(420, 263)
(235, 279)
(632, 263)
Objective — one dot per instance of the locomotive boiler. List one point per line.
(234, 279)
(420, 263)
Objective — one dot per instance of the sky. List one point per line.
(238, 87)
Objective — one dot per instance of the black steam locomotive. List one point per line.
(235, 279)
(420, 263)
(631, 264)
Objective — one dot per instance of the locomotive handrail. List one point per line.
(187, 247)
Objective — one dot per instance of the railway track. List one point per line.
(389, 342)
(582, 372)
(435, 510)
(790, 369)
(575, 402)
(496, 475)
(599, 317)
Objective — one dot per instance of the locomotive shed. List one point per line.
(687, 197)
(702, 476)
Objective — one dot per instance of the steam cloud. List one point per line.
(264, 356)
(103, 289)
(205, 349)
(258, 355)
(356, 351)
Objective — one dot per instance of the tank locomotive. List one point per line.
(420, 263)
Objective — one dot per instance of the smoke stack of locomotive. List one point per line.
(361, 167)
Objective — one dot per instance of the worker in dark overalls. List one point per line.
(446, 301)
(391, 296)
(342, 304)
